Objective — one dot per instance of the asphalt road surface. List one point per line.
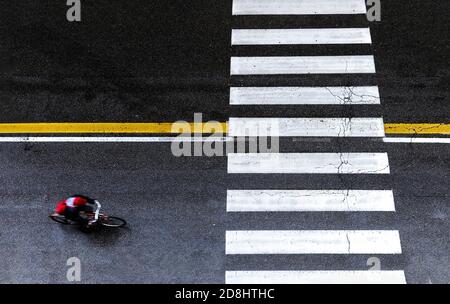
(162, 61)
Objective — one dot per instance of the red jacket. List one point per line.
(71, 202)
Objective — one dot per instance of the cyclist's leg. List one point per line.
(73, 214)
(90, 210)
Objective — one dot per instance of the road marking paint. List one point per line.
(301, 36)
(308, 127)
(102, 127)
(122, 139)
(316, 277)
(239, 96)
(309, 200)
(304, 96)
(313, 242)
(298, 7)
(416, 140)
(309, 163)
(302, 65)
(421, 128)
(109, 139)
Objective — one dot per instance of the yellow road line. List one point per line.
(422, 128)
(179, 127)
(109, 128)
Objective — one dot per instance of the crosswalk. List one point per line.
(319, 200)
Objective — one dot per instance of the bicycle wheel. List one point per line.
(62, 220)
(113, 222)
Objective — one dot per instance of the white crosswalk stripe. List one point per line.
(298, 7)
(308, 163)
(316, 277)
(288, 65)
(313, 242)
(306, 127)
(304, 96)
(301, 36)
(247, 202)
(309, 200)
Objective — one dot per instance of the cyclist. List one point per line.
(73, 207)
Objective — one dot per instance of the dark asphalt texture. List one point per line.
(163, 61)
(177, 216)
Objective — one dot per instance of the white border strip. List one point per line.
(310, 200)
(416, 140)
(119, 139)
(110, 139)
(316, 277)
(301, 36)
(313, 242)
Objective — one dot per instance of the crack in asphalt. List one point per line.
(348, 94)
(348, 243)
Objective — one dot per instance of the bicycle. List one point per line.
(103, 220)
